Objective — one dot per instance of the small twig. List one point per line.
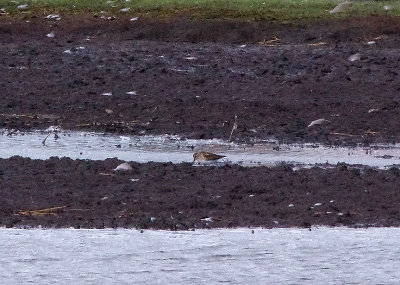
(106, 174)
(44, 141)
(343, 134)
(234, 127)
(42, 212)
(371, 133)
(317, 44)
(271, 42)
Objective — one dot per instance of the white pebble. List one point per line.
(53, 129)
(50, 35)
(123, 167)
(344, 6)
(53, 16)
(317, 122)
(207, 220)
(355, 57)
(23, 7)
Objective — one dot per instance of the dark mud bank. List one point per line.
(193, 77)
(88, 194)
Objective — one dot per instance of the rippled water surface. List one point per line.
(98, 146)
(236, 256)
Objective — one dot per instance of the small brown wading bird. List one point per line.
(206, 156)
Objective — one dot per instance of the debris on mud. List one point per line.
(65, 193)
(276, 83)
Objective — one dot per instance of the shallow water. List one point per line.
(97, 146)
(275, 256)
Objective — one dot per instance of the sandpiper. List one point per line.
(206, 156)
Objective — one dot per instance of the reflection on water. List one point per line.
(96, 146)
(237, 256)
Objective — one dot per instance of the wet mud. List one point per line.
(192, 77)
(89, 194)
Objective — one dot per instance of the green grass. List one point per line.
(276, 10)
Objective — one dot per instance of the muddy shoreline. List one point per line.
(192, 77)
(88, 194)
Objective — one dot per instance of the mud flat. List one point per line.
(83, 193)
(191, 78)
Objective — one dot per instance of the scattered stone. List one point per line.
(22, 7)
(208, 219)
(134, 19)
(318, 122)
(53, 129)
(53, 17)
(342, 7)
(387, 7)
(50, 35)
(355, 57)
(107, 94)
(125, 9)
(67, 51)
(123, 167)
(373, 110)
(371, 42)
(131, 93)
(109, 111)
(317, 204)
